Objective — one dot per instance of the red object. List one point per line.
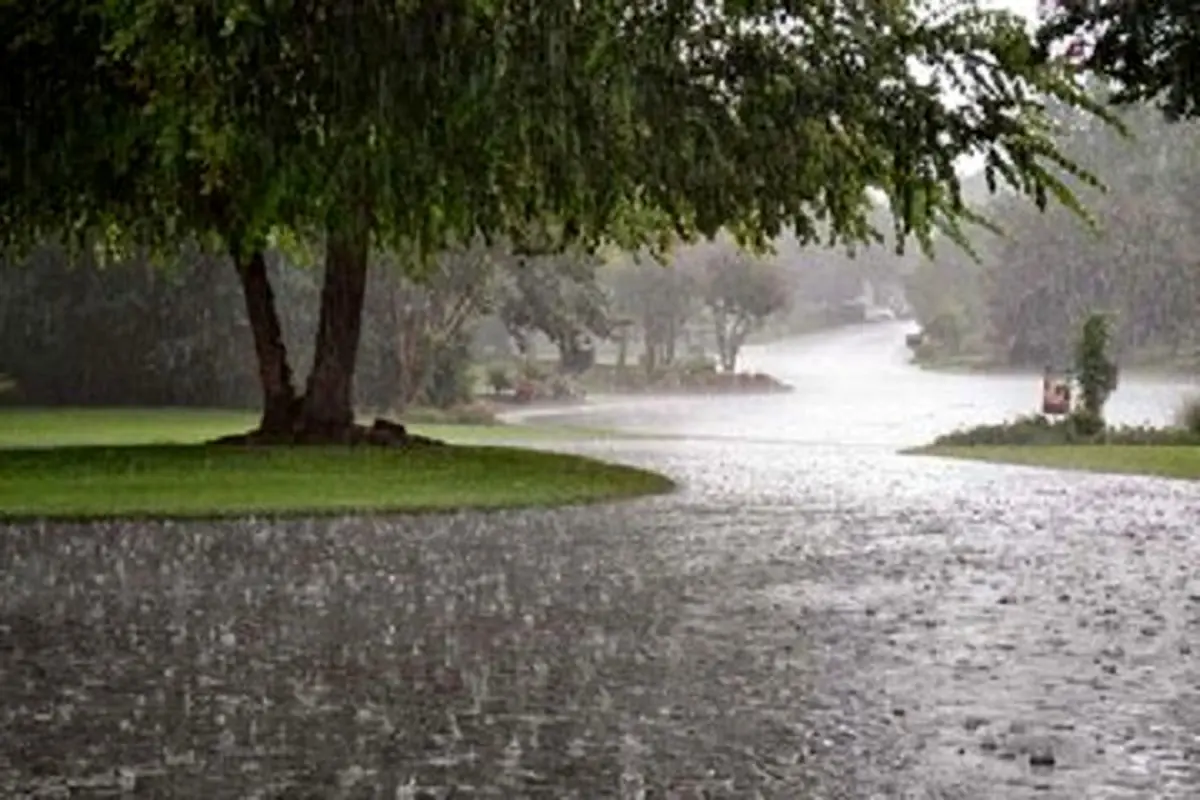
(1056, 396)
(525, 392)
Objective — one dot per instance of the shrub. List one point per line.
(1033, 429)
(698, 364)
(499, 379)
(450, 381)
(1095, 372)
(1079, 428)
(531, 371)
(946, 329)
(1086, 424)
(1188, 416)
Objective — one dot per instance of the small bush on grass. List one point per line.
(499, 378)
(1079, 428)
(1188, 417)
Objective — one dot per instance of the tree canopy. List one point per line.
(1150, 49)
(421, 124)
(1025, 300)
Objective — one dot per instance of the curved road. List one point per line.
(811, 616)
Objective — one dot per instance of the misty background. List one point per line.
(76, 331)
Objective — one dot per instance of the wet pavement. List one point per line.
(811, 616)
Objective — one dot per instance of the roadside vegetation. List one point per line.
(1021, 302)
(1082, 438)
(195, 204)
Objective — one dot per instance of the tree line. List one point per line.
(1032, 286)
(77, 331)
(244, 127)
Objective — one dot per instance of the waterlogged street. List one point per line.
(811, 616)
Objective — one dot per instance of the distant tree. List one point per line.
(658, 299)
(741, 292)
(558, 296)
(1036, 283)
(417, 318)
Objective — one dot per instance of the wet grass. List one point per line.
(197, 481)
(1168, 461)
(66, 427)
(137, 463)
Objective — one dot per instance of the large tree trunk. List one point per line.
(328, 412)
(274, 373)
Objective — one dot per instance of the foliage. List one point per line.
(124, 334)
(741, 292)
(499, 378)
(416, 326)
(1095, 372)
(258, 122)
(1147, 49)
(450, 380)
(658, 298)
(1038, 430)
(698, 365)
(1024, 302)
(280, 91)
(1188, 417)
(184, 329)
(558, 296)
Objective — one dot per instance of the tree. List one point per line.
(658, 298)
(1095, 371)
(556, 295)
(1033, 287)
(1147, 50)
(741, 292)
(420, 124)
(424, 315)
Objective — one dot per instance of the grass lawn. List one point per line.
(137, 463)
(1168, 461)
(66, 427)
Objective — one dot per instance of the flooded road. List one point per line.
(811, 616)
(855, 387)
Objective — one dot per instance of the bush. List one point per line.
(1085, 424)
(561, 388)
(450, 381)
(1079, 428)
(499, 379)
(1096, 373)
(1188, 417)
(698, 364)
(530, 370)
(946, 330)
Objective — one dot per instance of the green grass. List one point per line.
(67, 427)
(139, 463)
(1168, 461)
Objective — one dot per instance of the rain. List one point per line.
(815, 611)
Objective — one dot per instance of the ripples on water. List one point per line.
(811, 616)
